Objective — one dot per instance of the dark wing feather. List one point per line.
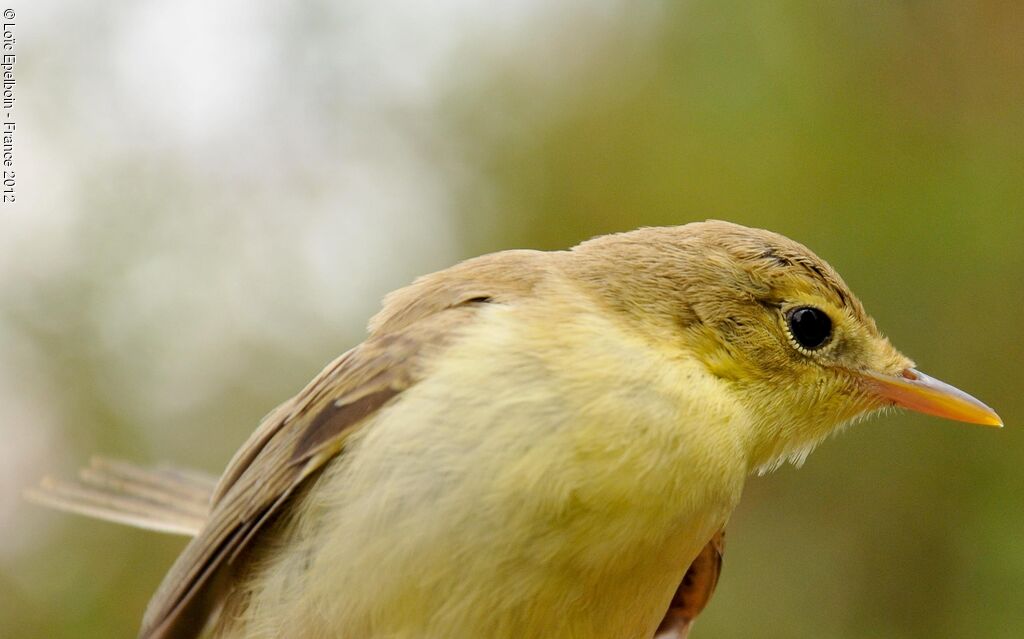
(294, 441)
(291, 444)
(695, 590)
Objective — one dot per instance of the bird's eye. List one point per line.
(810, 327)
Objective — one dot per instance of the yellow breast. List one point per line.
(540, 482)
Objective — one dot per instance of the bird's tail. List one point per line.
(161, 498)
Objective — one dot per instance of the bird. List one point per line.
(527, 444)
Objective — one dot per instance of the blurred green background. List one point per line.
(212, 199)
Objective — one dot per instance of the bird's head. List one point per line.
(773, 321)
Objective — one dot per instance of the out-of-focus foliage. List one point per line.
(212, 206)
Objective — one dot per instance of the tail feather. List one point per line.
(162, 498)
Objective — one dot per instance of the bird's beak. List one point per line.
(916, 391)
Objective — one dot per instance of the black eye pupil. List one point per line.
(810, 326)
